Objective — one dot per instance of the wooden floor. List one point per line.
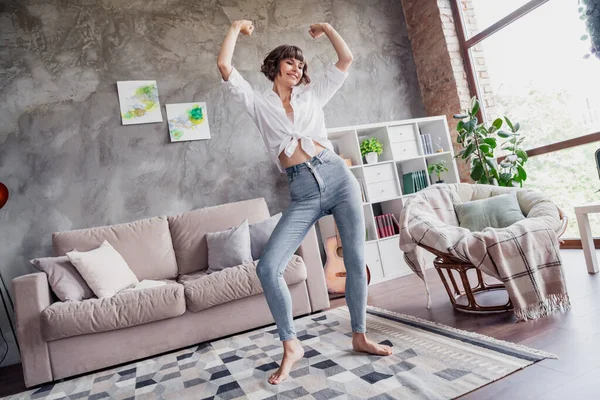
(574, 336)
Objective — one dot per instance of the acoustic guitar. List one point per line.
(335, 271)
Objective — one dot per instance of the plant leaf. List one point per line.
(475, 108)
(460, 116)
(477, 172)
(472, 102)
(469, 150)
(523, 154)
(491, 141)
(521, 172)
(510, 125)
(497, 123)
(491, 163)
(471, 124)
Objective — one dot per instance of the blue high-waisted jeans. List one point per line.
(323, 185)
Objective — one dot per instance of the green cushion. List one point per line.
(496, 212)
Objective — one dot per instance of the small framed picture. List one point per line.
(188, 121)
(139, 102)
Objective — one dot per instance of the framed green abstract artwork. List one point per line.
(139, 102)
(187, 121)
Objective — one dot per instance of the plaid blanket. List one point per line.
(524, 256)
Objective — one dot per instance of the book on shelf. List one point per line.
(414, 181)
(386, 231)
(379, 227)
(386, 225)
(362, 189)
(391, 224)
(408, 183)
(427, 143)
(396, 223)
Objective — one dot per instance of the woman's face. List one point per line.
(290, 71)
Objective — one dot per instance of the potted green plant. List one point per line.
(479, 144)
(438, 168)
(370, 149)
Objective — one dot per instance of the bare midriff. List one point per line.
(299, 156)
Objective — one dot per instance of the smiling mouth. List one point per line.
(293, 76)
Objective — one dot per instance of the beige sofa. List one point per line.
(59, 339)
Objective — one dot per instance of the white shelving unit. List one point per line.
(383, 184)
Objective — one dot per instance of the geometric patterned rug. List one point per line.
(429, 361)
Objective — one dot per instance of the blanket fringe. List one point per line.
(473, 335)
(552, 303)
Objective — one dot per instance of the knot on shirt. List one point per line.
(306, 142)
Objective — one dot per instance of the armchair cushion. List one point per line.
(494, 212)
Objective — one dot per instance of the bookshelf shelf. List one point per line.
(404, 152)
(396, 236)
(436, 154)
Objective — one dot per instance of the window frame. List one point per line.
(474, 89)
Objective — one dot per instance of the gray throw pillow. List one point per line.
(260, 232)
(496, 212)
(66, 282)
(229, 248)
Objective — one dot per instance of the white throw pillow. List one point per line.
(104, 270)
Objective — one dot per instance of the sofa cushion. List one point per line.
(145, 245)
(260, 233)
(204, 290)
(228, 248)
(189, 229)
(66, 282)
(104, 270)
(125, 309)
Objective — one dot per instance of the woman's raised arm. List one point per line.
(341, 48)
(244, 27)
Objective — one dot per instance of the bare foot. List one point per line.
(292, 352)
(364, 345)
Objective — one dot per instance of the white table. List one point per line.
(587, 240)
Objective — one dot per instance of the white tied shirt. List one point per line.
(279, 132)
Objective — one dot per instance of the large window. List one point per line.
(527, 62)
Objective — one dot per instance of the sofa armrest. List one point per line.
(315, 282)
(32, 296)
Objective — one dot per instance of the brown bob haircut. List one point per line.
(270, 65)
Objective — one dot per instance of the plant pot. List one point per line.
(371, 157)
(442, 181)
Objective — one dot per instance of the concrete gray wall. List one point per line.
(69, 163)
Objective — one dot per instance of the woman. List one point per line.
(291, 122)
